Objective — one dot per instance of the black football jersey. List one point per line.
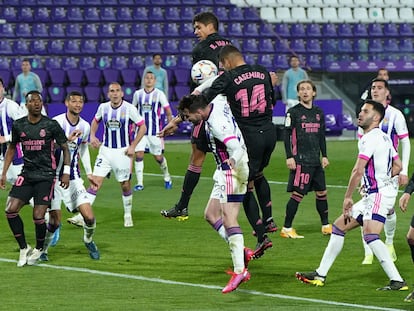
(209, 48)
(38, 145)
(249, 92)
(305, 134)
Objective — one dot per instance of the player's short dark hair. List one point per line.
(192, 103)
(31, 93)
(152, 72)
(206, 18)
(377, 107)
(229, 50)
(74, 93)
(155, 54)
(293, 56)
(381, 80)
(25, 60)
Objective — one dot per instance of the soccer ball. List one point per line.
(203, 70)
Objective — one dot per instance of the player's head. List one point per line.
(205, 24)
(149, 79)
(74, 101)
(306, 90)
(372, 113)
(190, 108)
(157, 59)
(294, 61)
(115, 93)
(383, 74)
(26, 67)
(34, 102)
(380, 90)
(230, 57)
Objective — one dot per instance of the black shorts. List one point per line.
(260, 143)
(199, 137)
(306, 178)
(40, 190)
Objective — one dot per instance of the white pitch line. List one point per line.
(215, 287)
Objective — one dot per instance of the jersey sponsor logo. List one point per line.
(113, 124)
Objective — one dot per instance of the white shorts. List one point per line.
(113, 159)
(12, 172)
(72, 197)
(380, 203)
(154, 144)
(230, 185)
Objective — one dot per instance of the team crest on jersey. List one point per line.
(318, 117)
(42, 133)
(303, 117)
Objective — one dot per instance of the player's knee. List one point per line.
(296, 196)
(321, 195)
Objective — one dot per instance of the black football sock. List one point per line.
(411, 245)
(17, 227)
(40, 229)
(291, 209)
(322, 208)
(192, 176)
(264, 197)
(251, 210)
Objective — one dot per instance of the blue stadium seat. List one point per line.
(360, 30)
(130, 76)
(40, 30)
(170, 30)
(313, 46)
(266, 30)
(86, 62)
(43, 75)
(108, 14)
(249, 59)
(250, 14)
(7, 31)
(122, 30)
(221, 13)
(282, 46)
(187, 13)
(93, 94)
(155, 13)
(88, 46)
(129, 92)
(16, 64)
(93, 76)
(71, 46)
(345, 30)
(56, 94)
(186, 45)
(104, 46)
(41, 14)
(90, 30)
(250, 45)
(282, 30)
(70, 62)
(375, 45)
(9, 14)
(298, 45)
(74, 13)
(103, 62)
(5, 75)
(236, 14)
(74, 88)
(345, 45)
(184, 61)
(250, 30)
(186, 30)
(181, 91)
(170, 46)
(137, 46)
(360, 45)
(124, 14)
(73, 30)
(58, 14)
(4, 64)
(154, 46)
(121, 46)
(111, 75)
(105, 30)
(298, 30)
(329, 30)
(57, 76)
(406, 29)
(53, 62)
(406, 45)
(25, 14)
(38, 47)
(375, 30)
(266, 45)
(140, 13)
(55, 47)
(235, 29)
(21, 47)
(170, 61)
(314, 61)
(120, 63)
(115, 2)
(390, 29)
(391, 45)
(138, 30)
(265, 60)
(91, 13)
(23, 30)
(56, 31)
(172, 13)
(137, 63)
(154, 30)
(313, 30)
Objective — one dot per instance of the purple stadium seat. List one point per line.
(70, 63)
(170, 61)
(186, 30)
(58, 14)
(71, 46)
(130, 76)
(184, 61)
(53, 63)
(345, 30)
(154, 46)
(110, 75)
(236, 14)
(154, 30)
(121, 46)
(55, 47)
(107, 13)
(250, 14)
(155, 13)
(282, 46)
(56, 31)
(5, 75)
(90, 30)
(75, 76)
(7, 31)
(122, 30)
(298, 45)
(186, 45)
(250, 45)
(250, 59)
(56, 94)
(360, 45)
(73, 30)
(360, 30)
(172, 13)
(390, 29)
(298, 30)
(105, 30)
(129, 92)
(282, 30)
(328, 58)
(265, 60)
(93, 94)
(266, 45)
(136, 62)
(93, 2)
(43, 75)
(41, 14)
(375, 30)
(137, 46)
(187, 13)
(124, 13)
(23, 30)
(40, 30)
(221, 13)
(235, 29)
(4, 64)
(266, 30)
(313, 45)
(170, 30)
(88, 46)
(391, 45)
(86, 62)
(375, 45)
(39, 47)
(250, 30)
(138, 30)
(345, 45)
(313, 30)
(406, 29)
(329, 30)
(78, 2)
(103, 62)
(93, 76)
(181, 91)
(104, 46)
(74, 13)
(170, 46)
(25, 14)
(21, 47)
(140, 13)
(91, 13)
(16, 64)
(37, 63)
(314, 61)
(57, 76)
(406, 45)
(73, 88)
(119, 62)
(9, 14)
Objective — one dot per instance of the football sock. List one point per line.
(367, 249)
(389, 228)
(264, 197)
(192, 176)
(40, 229)
(291, 209)
(17, 227)
(127, 201)
(139, 170)
(411, 245)
(251, 209)
(335, 245)
(322, 208)
(88, 231)
(218, 226)
(164, 169)
(381, 252)
(236, 244)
